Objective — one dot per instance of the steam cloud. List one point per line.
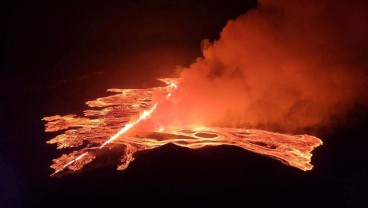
(289, 64)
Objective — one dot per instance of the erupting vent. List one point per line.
(114, 117)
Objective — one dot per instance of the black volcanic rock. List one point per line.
(172, 175)
(50, 45)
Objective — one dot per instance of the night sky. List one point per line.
(55, 55)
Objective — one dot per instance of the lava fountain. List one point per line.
(292, 64)
(115, 121)
(288, 64)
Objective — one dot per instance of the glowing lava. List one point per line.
(107, 127)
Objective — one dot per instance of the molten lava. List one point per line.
(108, 126)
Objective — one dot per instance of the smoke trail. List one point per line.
(290, 64)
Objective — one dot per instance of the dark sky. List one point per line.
(55, 55)
(60, 40)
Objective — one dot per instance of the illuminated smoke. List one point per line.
(287, 65)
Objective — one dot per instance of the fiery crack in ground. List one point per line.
(104, 128)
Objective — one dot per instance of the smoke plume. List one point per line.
(286, 64)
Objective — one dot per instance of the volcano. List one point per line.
(110, 125)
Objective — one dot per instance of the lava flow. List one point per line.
(108, 126)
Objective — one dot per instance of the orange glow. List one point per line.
(113, 124)
(128, 126)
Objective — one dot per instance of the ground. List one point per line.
(57, 56)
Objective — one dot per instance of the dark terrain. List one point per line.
(54, 57)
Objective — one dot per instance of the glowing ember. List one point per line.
(108, 126)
